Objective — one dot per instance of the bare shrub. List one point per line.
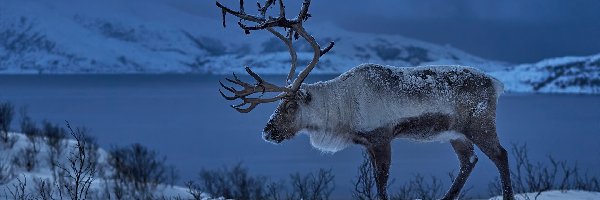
(194, 190)
(29, 128)
(276, 191)
(44, 189)
(6, 171)
(11, 141)
(585, 181)
(313, 186)
(172, 175)
(18, 190)
(26, 158)
(138, 171)
(54, 137)
(236, 183)
(7, 111)
(530, 177)
(81, 164)
(364, 185)
(418, 187)
(105, 191)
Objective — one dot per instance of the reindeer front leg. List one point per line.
(381, 160)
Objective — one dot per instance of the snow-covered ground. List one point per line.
(557, 195)
(11, 173)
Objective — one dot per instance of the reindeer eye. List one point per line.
(292, 105)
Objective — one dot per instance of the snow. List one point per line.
(115, 36)
(43, 170)
(558, 75)
(557, 195)
(372, 99)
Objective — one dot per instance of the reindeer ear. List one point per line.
(308, 98)
(304, 96)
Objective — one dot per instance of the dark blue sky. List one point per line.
(508, 30)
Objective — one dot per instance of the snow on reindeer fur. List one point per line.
(373, 99)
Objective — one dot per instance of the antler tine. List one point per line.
(295, 30)
(242, 6)
(227, 97)
(263, 10)
(254, 102)
(244, 110)
(327, 48)
(293, 54)
(240, 14)
(318, 52)
(281, 9)
(262, 21)
(303, 16)
(295, 26)
(261, 86)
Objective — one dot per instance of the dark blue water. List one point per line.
(184, 118)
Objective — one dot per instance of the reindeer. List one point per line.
(371, 104)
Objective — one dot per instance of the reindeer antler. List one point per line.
(260, 86)
(294, 30)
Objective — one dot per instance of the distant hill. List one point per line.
(105, 38)
(556, 75)
(112, 36)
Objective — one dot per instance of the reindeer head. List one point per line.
(283, 123)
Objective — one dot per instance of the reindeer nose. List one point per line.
(271, 134)
(268, 131)
(272, 137)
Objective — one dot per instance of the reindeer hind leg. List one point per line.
(487, 141)
(466, 155)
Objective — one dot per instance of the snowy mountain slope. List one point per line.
(161, 36)
(557, 75)
(118, 37)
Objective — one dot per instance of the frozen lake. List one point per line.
(184, 118)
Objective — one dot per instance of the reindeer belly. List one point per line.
(429, 127)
